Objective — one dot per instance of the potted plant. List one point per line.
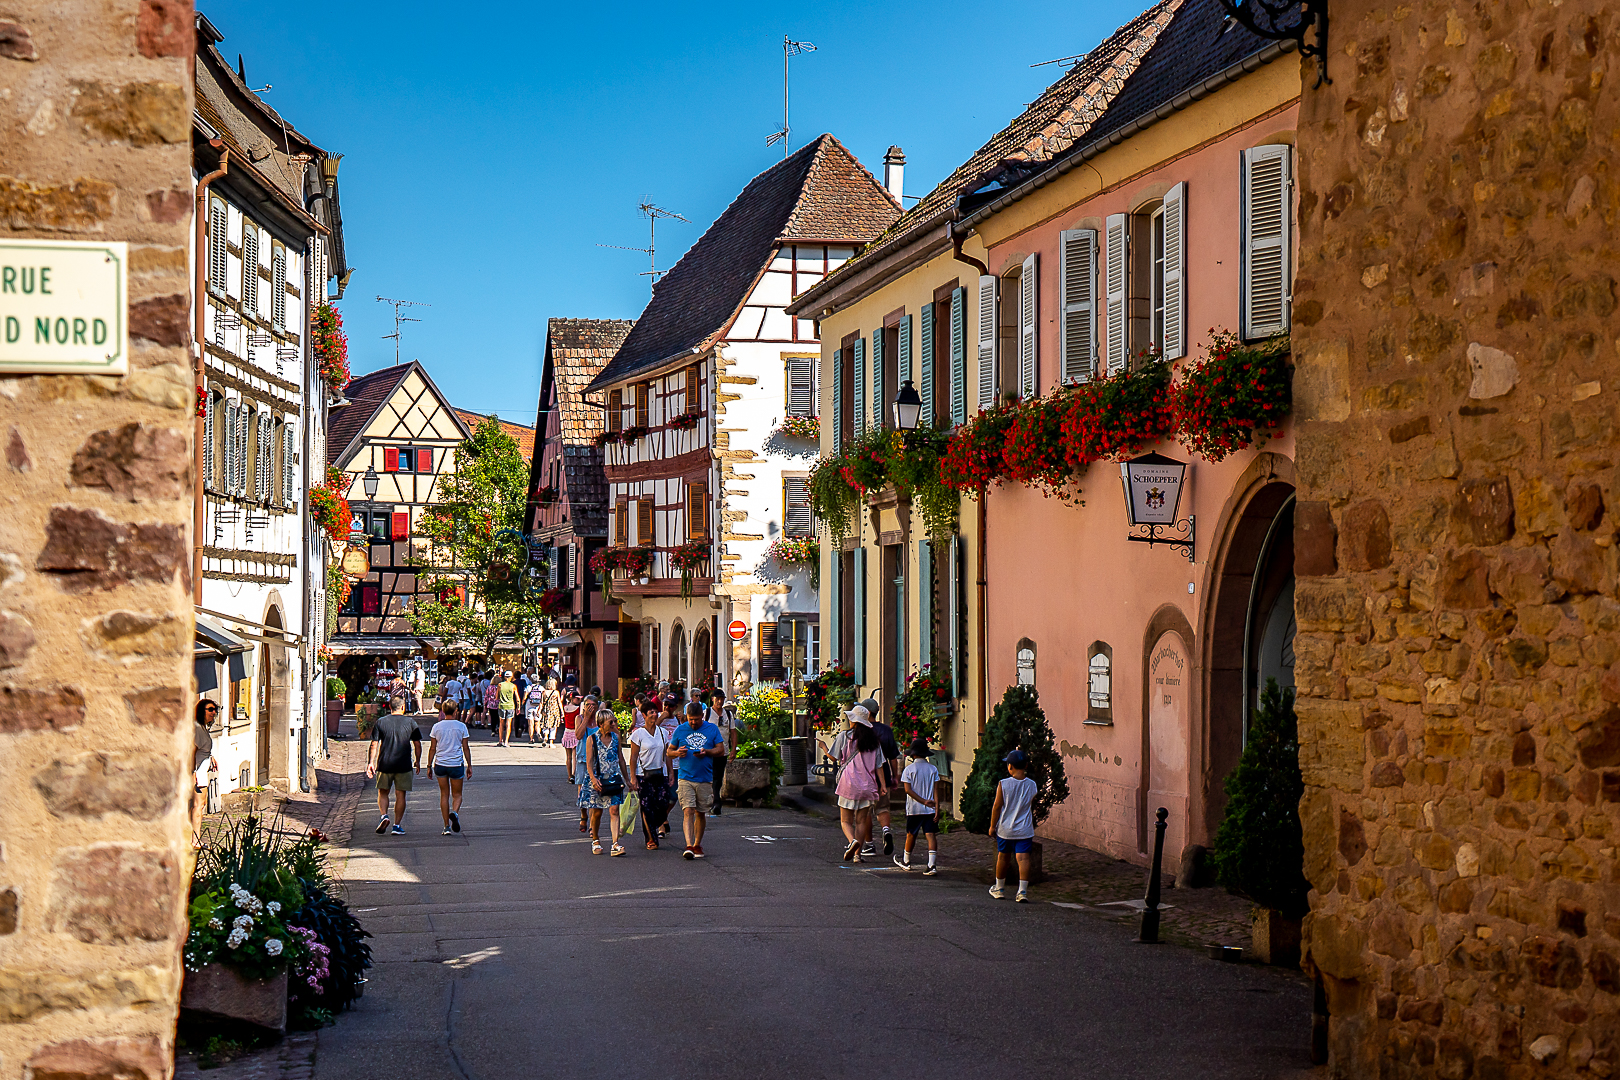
(336, 691)
(1260, 847)
(1018, 723)
(754, 772)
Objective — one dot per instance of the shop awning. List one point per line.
(215, 644)
(563, 641)
(373, 644)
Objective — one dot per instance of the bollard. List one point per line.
(1150, 913)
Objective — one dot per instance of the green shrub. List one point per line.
(1260, 847)
(759, 748)
(1017, 723)
(336, 688)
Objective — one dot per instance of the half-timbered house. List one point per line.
(702, 469)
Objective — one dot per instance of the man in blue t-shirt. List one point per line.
(694, 748)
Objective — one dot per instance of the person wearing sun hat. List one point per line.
(891, 765)
(861, 781)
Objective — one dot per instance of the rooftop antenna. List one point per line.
(398, 318)
(653, 214)
(789, 48)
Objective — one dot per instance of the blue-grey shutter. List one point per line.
(858, 422)
(959, 356)
(834, 604)
(925, 384)
(989, 339)
(905, 350)
(838, 402)
(879, 395)
(925, 602)
(858, 663)
(953, 615)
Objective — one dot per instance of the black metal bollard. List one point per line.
(1150, 913)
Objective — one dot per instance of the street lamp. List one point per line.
(370, 482)
(907, 407)
(1153, 486)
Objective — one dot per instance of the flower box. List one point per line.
(218, 992)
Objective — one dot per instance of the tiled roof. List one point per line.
(1052, 123)
(821, 192)
(523, 436)
(576, 352)
(366, 395)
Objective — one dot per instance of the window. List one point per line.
(770, 652)
(381, 525)
(812, 654)
(796, 517)
(844, 395)
(1268, 189)
(264, 456)
(615, 410)
(697, 512)
(289, 489)
(643, 404)
(218, 257)
(621, 523)
(407, 459)
(210, 406)
(1024, 662)
(250, 268)
(1077, 336)
(644, 522)
(801, 386)
(886, 368)
(1100, 684)
(1156, 277)
(278, 285)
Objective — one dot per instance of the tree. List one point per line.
(1018, 723)
(477, 581)
(1260, 847)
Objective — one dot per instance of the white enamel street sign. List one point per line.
(63, 307)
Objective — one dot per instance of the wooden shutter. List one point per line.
(1174, 345)
(1118, 239)
(838, 402)
(835, 567)
(615, 410)
(925, 601)
(1028, 294)
(424, 460)
(959, 356)
(988, 293)
(770, 652)
(643, 404)
(692, 403)
(208, 440)
(954, 615)
(644, 522)
(904, 365)
(697, 511)
(1078, 255)
(858, 661)
(859, 419)
(796, 519)
(621, 523)
(879, 391)
(370, 599)
(1267, 196)
(925, 360)
(278, 285)
(250, 267)
(399, 526)
(390, 459)
(801, 387)
(218, 258)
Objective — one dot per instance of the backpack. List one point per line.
(858, 778)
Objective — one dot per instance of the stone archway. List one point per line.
(1169, 745)
(273, 749)
(702, 660)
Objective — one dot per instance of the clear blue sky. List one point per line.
(490, 148)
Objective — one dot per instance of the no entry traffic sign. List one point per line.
(738, 630)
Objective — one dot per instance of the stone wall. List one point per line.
(95, 613)
(1458, 639)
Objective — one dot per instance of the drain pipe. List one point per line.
(957, 239)
(199, 304)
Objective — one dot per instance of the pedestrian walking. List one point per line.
(418, 685)
(921, 781)
(506, 698)
(696, 746)
(891, 766)
(570, 736)
(451, 690)
(492, 704)
(202, 763)
(476, 686)
(606, 777)
(450, 753)
(726, 720)
(861, 782)
(394, 757)
(534, 702)
(1012, 823)
(584, 725)
(652, 765)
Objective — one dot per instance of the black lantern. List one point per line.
(907, 407)
(370, 482)
(1153, 485)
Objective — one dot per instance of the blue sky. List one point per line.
(489, 149)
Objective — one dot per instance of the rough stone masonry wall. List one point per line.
(1459, 631)
(95, 615)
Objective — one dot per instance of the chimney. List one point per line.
(894, 172)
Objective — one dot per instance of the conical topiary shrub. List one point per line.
(1020, 723)
(1259, 848)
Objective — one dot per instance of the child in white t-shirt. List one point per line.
(451, 755)
(921, 781)
(1012, 823)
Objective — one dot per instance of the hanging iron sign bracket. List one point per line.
(1286, 20)
(1180, 535)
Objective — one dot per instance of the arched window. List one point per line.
(1026, 662)
(1100, 683)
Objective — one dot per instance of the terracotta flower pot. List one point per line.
(220, 992)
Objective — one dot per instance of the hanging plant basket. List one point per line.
(687, 559)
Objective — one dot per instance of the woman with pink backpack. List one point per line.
(861, 782)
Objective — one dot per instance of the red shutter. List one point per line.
(390, 460)
(401, 526)
(424, 461)
(370, 599)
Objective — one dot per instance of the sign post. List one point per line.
(63, 307)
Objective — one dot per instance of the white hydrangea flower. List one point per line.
(242, 922)
(237, 937)
(274, 906)
(215, 924)
(273, 946)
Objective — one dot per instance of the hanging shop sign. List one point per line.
(1153, 485)
(356, 562)
(63, 306)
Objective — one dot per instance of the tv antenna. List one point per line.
(651, 250)
(789, 48)
(398, 318)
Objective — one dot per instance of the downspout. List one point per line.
(200, 303)
(957, 240)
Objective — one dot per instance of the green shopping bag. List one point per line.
(629, 811)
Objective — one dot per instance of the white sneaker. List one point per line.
(1021, 898)
(997, 892)
(901, 863)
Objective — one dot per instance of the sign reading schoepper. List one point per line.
(63, 307)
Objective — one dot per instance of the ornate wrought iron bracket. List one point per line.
(1180, 535)
(1287, 20)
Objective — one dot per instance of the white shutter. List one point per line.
(289, 491)
(838, 402)
(958, 318)
(250, 267)
(264, 458)
(1078, 255)
(207, 454)
(988, 292)
(573, 566)
(1174, 344)
(796, 507)
(554, 566)
(925, 358)
(218, 259)
(1028, 293)
(801, 397)
(858, 421)
(1267, 206)
(278, 283)
(1117, 340)
(879, 391)
(233, 448)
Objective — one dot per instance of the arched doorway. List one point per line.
(1251, 629)
(272, 751)
(677, 653)
(702, 664)
(587, 667)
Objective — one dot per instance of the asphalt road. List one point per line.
(510, 951)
